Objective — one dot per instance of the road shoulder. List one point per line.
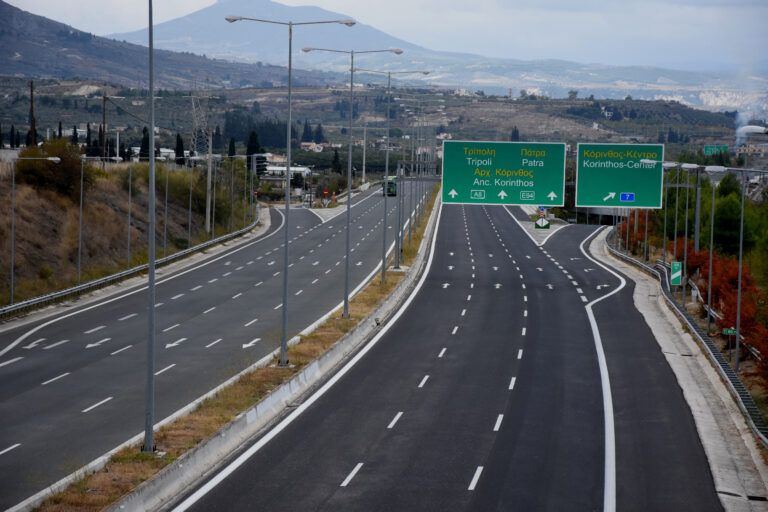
(734, 457)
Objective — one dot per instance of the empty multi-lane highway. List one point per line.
(73, 382)
(518, 377)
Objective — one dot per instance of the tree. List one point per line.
(17, 141)
(231, 151)
(59, 136)
(336, 163)
(729, 185)
(12, 137)
(515, 135)
(306, 135)
(572, 94)
(144, 149)
(179, 150)
(74, 135)
(88, 148)
(319, 136)
(256, 108)
(252, 148)
(218, 140)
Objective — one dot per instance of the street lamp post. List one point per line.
(290, 25)
(711, 243)
(386, 163)
(54, 159)
(351, 54)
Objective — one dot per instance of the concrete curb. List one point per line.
(169, 484)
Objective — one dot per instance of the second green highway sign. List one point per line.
(619, 175)
(512, 173)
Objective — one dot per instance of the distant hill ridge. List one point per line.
(37, 47)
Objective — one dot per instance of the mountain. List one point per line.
(206, 32)
(37, 47)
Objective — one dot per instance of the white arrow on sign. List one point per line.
(446, 285)
(611, 195)
(249, 345)
(91, 345)
(453, 194)
(497, 286)
(176, 343)
(34, 343)
(552, 196)
(502, 194)
(550, 287)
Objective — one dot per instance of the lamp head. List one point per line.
(232, 18)
(348, 22)
(396, 51)
(308, 49)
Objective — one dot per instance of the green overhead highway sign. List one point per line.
(511, 173)
(710, 150)
(619, 175)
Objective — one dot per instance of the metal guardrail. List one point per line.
(746, 403)
(112, 278)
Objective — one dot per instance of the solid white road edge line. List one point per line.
(239, 461)
(609, 487)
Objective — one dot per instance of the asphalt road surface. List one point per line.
(73, 385)
(487, 394)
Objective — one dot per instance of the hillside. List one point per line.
(37, 47)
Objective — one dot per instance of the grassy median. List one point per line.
(130, 467)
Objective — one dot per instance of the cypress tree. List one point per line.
(17, 142)
(336, 164)
(319, 136)
(1, 136)
(179, 150)
(12, 137)
(144, 149)
(74, 135)
(306, 135)
(88, 148)
(231, 151)
(59, 130)
(253, 147)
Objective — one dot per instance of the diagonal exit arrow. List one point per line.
(175, 343)
(611, 195)
(252, 343)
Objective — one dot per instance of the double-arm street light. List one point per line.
(290, 25)
(351, 53)
(386, 161)
(54, 159)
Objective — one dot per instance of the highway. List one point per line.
(486, 392)
(73, 384)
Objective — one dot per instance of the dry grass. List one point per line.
(130, 467)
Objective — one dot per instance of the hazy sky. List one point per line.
(672, 33)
